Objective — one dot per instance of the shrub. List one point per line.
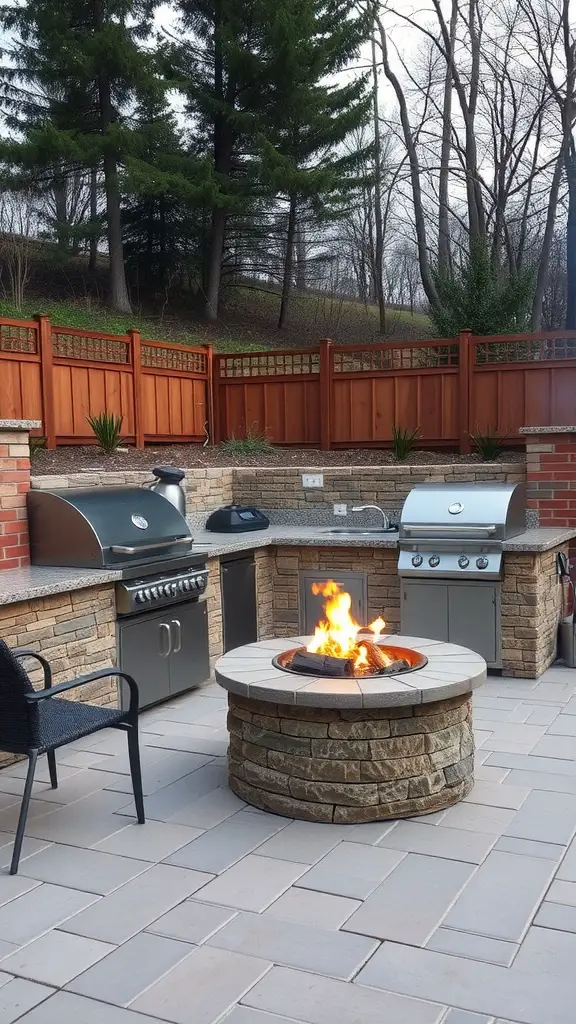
(107, 428)
(253, 442)
(403, 442)
(488, 444)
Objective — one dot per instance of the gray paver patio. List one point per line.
(217, 914)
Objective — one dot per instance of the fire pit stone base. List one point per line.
(349, 766)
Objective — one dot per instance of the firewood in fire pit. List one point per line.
(377, 660)
(397, 666)
(321, 665)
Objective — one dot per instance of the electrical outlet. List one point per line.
(312, 480)
(340, 510)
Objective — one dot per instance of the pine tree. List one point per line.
(86, 56)
(310, 113)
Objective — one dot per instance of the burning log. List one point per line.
(396, 666)
(321, 665)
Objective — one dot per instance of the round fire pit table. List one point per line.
(351, 750)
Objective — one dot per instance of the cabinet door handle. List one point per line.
(164, 633)
(177, 625)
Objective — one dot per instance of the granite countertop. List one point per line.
(42, 581)
(217, 544)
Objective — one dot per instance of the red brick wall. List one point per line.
(551, 476)
(14, 484)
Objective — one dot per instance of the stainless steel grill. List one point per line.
(457, 530)
(451, 562)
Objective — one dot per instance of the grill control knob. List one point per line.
(147, 595)
(482, 563)
(181, 587)
(154, 593)
(463, 562)
(139, 596)
(433, 561)
(417, 561)
(161, 590)
(174, 589)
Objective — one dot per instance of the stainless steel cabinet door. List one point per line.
(144, 648)
(424, 609)
(189, 662)
(312, 605)
(472, 612)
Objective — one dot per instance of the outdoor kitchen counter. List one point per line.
(217, 544)
(35, 581)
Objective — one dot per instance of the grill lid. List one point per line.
(495, 511)
(104, 527)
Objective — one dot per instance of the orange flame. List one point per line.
(337, 635)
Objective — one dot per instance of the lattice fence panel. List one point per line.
(159, 358)
(18, 339)
(96, 350)
(273, 364)
(526, 350)
(379, 360)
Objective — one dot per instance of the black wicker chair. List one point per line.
(35, 722)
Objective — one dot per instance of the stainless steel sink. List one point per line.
(359, 531)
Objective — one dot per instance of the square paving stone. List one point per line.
(463, 1017)
(117, 917)
(319, 1000)
(562, 892)
(545, 817)
(317, 909)
(530, 848)
(13, 886)
(470, 985)
(46, 906)
(156, 841)
(439, 841)
(547, 951)
(223, 845)
(78, 786)
(530, 763)
(19, 996)
(351, 870)
(202, 988)
(304, 841)
(131, 969)
(211, 809)
(503, 896)
(67, 1008)
(192, 921)
(542, 780)
(563, 725)
(252, 884)
(246, 1015)
(81, 824)
(478, 818)
(567, 870)
(167, 802)
(88, 870)
(554, 915)
(475, 947)
(331, 953)
(495, 795)
(563, 747)
(410, 903)
(56, 958)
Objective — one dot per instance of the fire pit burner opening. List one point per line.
(391, 661)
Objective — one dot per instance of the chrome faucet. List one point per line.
(375, 508)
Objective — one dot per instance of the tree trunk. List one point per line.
(444, 210)
(93, 219)
(215, 263)
(544, 261)
(300, 259)
(379, 227)
(61, 207)
(571, 240)
(288, 264)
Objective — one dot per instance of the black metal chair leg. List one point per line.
(32, 759)
(136, 772)
(52, 769)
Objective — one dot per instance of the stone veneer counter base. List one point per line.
(351, 750)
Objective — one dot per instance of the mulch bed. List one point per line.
(89, 458)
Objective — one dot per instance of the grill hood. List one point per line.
(494, 511)
(104, 527)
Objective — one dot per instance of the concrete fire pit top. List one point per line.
(451, 671)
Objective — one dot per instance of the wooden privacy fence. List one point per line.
(330, 396)
(60, 376)
(337, 396)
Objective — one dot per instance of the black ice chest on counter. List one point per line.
(237, 519)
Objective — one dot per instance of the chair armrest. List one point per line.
(22, 652)
(102, 673)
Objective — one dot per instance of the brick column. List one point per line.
(14, 485)
(551, 474)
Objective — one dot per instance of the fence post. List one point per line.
(465, 370)
(136, 343)
(210, 391)
(326, 394)
(47, 377)
(216, 435)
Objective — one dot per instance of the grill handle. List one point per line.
(122, 549)
(407, 528)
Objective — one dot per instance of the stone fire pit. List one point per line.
(351, 750)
